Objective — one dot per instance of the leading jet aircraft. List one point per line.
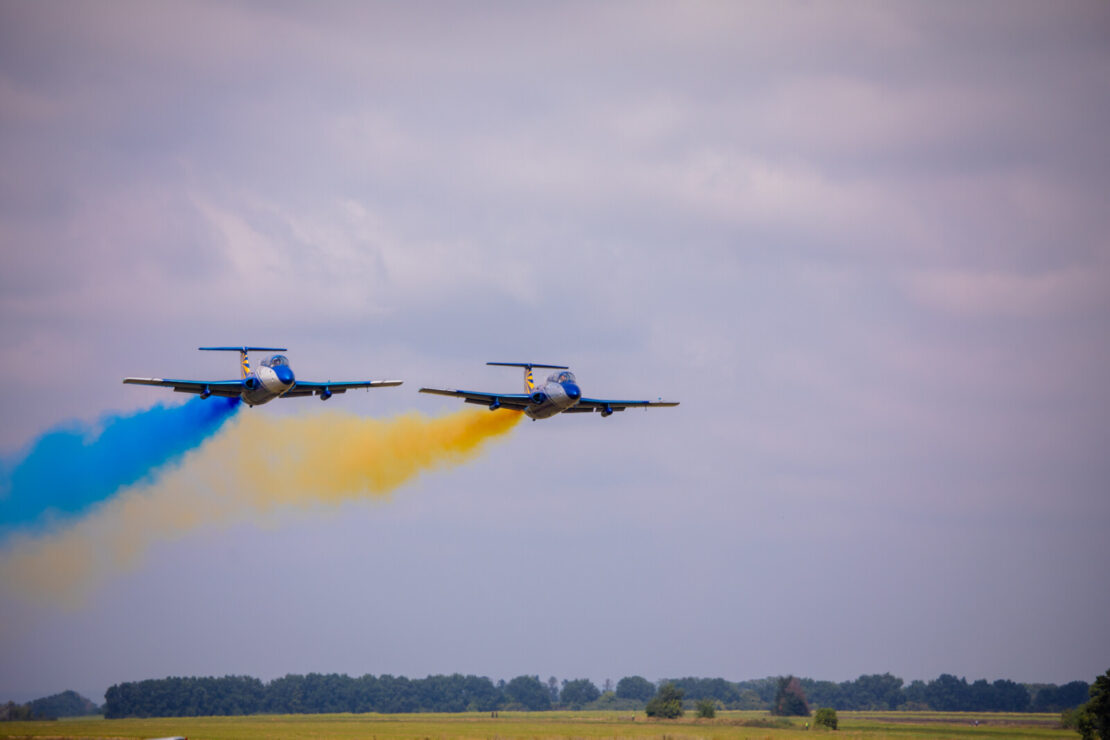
(559, 394)
(273, 378)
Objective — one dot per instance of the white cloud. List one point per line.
(1054, 294)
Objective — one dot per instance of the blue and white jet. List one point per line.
(273, 378)
(559, 394)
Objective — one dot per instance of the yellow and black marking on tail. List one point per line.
(244, 363)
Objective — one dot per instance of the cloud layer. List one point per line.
(865, 246)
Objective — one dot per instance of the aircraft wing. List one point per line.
(229, 388)
(586, 405)
(304, 388)
(518, 401)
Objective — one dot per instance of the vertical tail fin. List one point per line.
(529, 381)
(244, 363)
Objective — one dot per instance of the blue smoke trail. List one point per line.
(70, 468)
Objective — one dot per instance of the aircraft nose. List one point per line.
(284, 374)
(572, 391)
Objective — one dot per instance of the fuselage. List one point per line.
(558, 393)
(271, 379)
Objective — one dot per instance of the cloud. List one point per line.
(1056, 294)
(864, 246)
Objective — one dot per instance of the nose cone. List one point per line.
(572, 391)
(284, 374)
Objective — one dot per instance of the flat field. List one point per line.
(552, 726)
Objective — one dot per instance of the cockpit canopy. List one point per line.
(276, 361)
(565, 376)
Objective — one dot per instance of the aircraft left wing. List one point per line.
(517, 401)
(230, 388)
(304, 388)
(608, 406)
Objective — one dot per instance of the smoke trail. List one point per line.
(72, 467)
(258, 464)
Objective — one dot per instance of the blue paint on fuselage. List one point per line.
(284, 374)
(558, 396)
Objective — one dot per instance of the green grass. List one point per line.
(550, 726)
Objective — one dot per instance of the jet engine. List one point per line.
(539, 397)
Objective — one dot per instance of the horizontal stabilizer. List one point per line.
(244, 349)
(529, 364)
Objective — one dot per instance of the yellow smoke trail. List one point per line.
(257, 464)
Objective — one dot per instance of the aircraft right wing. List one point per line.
(517, 401)
(305, 388)
(229, 388)
(608, 406)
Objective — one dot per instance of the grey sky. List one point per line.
(866, 245)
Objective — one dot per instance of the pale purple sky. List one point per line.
(866, 245)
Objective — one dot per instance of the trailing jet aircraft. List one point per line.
(559, 394)
(273, 378)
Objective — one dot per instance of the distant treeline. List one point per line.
(65, 704)
(947, 693)
(331, 693)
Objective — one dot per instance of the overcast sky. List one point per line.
(867, 246)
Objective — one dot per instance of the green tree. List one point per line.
(12, 712)
(948, 694)
(825, 717)
(636, 688)
(1094, 716)
(708, 688)
(824, 693)
(578, 693)
(875, 692)
(1053, 698)
(667, 703)
(528, 693)
(790, 700)
(1009, 696)
(65, 704)
(707, 708)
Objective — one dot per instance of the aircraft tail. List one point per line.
(529, 381)
(244, 363)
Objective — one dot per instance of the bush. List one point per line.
(707, 709)
(825, 717)
(667, 703)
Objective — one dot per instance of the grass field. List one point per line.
(550, 726)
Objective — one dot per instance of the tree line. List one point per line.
(65, 704)
(331, 693)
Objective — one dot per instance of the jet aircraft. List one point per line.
(273, 378)
(559, 394)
